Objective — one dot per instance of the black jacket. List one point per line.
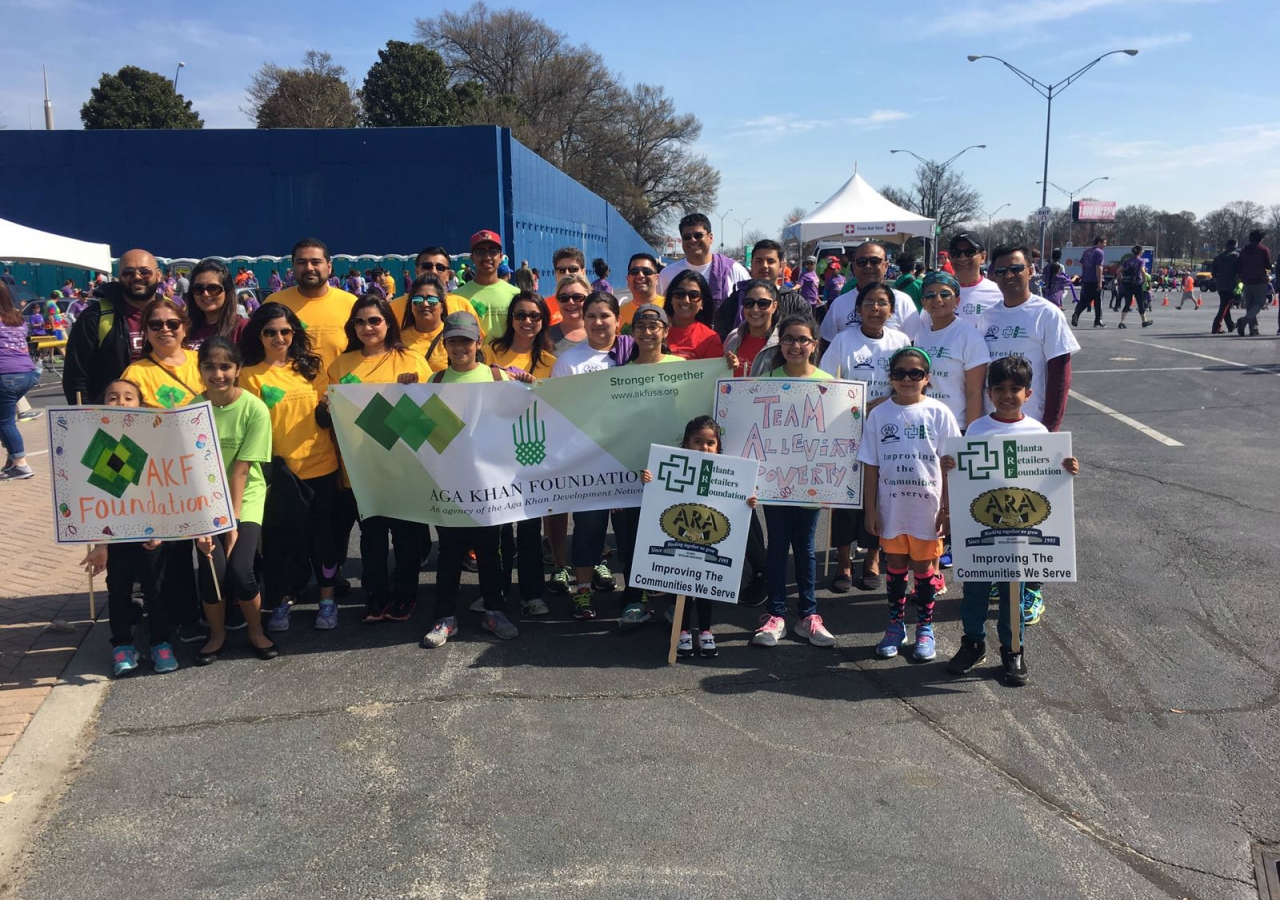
(1226, 271)
(790, 303)
(90, 366)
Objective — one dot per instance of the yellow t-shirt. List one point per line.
(521, 361)
(324, 318)
(389, 284)
(291, 402)
(354, 368)
(420, 342)
(166, 387)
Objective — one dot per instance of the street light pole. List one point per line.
(742, 235)
(941, 170)
(991, 215)
(721, 232)
(1048, 91)
(176, 73)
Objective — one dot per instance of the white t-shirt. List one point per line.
(582, 358)
(905, 443)
(975, 298)
(988, 424)
(954, 350)
(843, 314)
(853, 356)
(1035, 329)
(736, 274)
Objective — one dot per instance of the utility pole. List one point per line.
(48, 104)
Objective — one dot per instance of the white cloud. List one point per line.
(1236, 148)
(773, 127)
(1008, 18)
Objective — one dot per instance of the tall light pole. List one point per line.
(1071, 199)
(742, 234)
(48, 104)
(991, 215)
(176, 73)
(721, 231)
(934, 201)
(1049, 91)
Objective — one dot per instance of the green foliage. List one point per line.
(136, 98)
(314, 96)
(409, 86)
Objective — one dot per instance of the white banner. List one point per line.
(130, 474)
(693, 526)
(803, 433)
(1012, 508)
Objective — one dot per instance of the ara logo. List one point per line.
(993, 333)
(694, 523)
(1010, 507)
(889, 434)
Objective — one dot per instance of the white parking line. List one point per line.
(1216, 359)
(1075, 372)
(1132, 423)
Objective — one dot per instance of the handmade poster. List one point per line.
(489, 453)
(130, 474)
(694, 520)
(803, 434)
(1012, 508)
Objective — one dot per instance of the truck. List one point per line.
(1111, 259)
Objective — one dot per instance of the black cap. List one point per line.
(966, 236)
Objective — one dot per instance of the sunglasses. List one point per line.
(432, 267)
(938, 295)
(1016, 269)
(792, 341)
(865, 261)
(908, 374)
(522, 316)
(571, 298)
(428, 300)
(639, 270)
(141, 273)
(693, 236)
(372, 321)
(685, 295)
(970, 253)
(568, 270)
(213, 290)
(754, 303)
(162, 324)
(277, 332)
(486, 251)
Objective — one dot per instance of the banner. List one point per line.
(128, 474)
(489, 453)
(804, 434)
(694, 520)
(1012, 508)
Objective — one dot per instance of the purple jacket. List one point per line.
(809, 287)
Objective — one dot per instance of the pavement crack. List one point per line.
(1225, 498)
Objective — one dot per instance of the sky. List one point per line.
(790, 104)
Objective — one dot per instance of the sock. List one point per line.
(925, 592)
(897, 590)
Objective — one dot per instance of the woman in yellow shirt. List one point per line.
(167, 375)
(283, 371)
(376, 354)
(526, 343)
(428, 304)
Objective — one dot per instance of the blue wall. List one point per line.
(362, 191)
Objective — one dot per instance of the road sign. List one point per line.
(1044, 212)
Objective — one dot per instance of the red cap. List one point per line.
(481, 237)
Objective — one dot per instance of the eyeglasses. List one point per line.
(693, 236)
(162, 324)
(433, 267)
(277, 332)
(685, 295)
(877, 304)
(486, 251)
(792, 341)
(754, 303)
(372, 321)
(522, 316)
(428, 300)
(866, 261)
(646, 325)
(640, 270)
(571, 298)
(938, 295)
(1016, 269)
(908, 374)
(141, 273)
(568, 270)
(970, 253)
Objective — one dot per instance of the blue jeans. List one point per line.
(973, 612)
(12, 387)
(791, 528)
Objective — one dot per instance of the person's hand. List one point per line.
(943, 522)
(1072, 465)
(95, 560)
(646, 476)
(751, 501)
(518, 374)
(947, 463)
(229, 539)
(150, 545)
(407, 378)
(205, 546)
(871, 521)
(731, 358)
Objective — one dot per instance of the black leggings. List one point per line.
(521, 547)
(235, 574)
(704, 613)
(125, 564)
(289, 558)
(377, 535)
(1224, 311)
(486, 540)
(1132, 292)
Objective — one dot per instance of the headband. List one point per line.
(941, 278)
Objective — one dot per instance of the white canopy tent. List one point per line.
(18, 243)
(855, 213)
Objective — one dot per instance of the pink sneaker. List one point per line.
(811, 629)
(771, 629)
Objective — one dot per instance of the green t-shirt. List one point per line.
(244, 434)
(490, 301)
(479, 374)
(818, 374)
(911, 286)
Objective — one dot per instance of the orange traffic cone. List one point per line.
(1166, 300)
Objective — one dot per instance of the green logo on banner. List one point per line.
(677, 473)
(113, 463)
(529, 435)
(704, 478)
(1010, 459)
(978, 461)
(431, 423)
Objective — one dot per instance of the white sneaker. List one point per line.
(771, 629)
(440, 632)
(811, 629)
(535, 607)
(684, 647)
(707, 644)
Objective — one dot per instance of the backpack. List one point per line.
(106, 318)
(1131, 270)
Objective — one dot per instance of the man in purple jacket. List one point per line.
(721, 272)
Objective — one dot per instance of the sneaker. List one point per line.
(602, 578)
(1015, 667)
(894, 637)
(440, 632)
(1075, 320)
(548, 558)
(124, 659)
(559, 581)
(970, 655)
(477, 605)
(401, 610)
(684, 646)
(1147, 323)
(162, 658)
(582, 608)
(707, 644)
(841, 584)
(1032, 605)
(279, 620)
(30, 415)
(497, 624)
(926, 648)
(375, 610)
(1122, 325)
(1099, 324)
(534, 607)
(1240, 326)
(191, 633)
(939, 584)
(18, 473)
(812, 630)
(633, 616)
(771, 629)
(945, 559)
(754, 592)
(469, 562)
(327, 615)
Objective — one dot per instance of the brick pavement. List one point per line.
(39, 583)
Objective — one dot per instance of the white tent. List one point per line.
(856, 212)
(18, 243)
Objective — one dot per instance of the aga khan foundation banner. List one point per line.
(489, 453)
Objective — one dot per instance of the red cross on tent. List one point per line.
(890, 227)
(850, 229)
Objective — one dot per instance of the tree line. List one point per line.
(629, 144)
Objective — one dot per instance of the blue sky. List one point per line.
(789, 103)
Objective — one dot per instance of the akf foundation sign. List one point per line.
(129, 474)
(1012, 508)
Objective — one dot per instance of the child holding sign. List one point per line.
(125, 563)
(904, 495)
(1008, 387)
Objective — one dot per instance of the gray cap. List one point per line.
(811, 259)
(460, 324)
(651, 311)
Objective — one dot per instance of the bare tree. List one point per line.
(795, 215)
(1234, 220)
(314, 96)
